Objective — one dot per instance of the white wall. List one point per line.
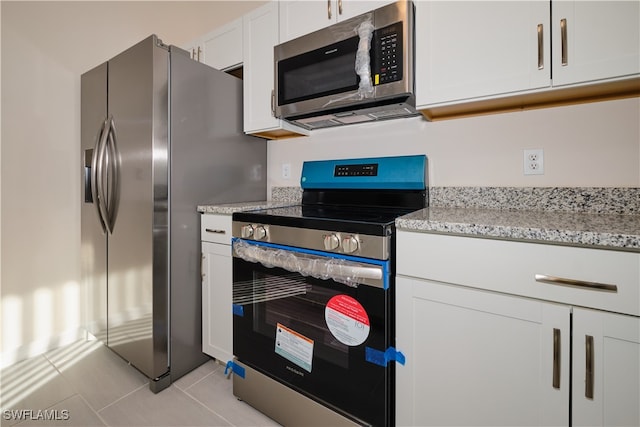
(46, 46)
(596, 144)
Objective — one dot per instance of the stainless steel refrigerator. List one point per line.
(160, 134)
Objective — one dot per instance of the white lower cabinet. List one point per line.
(217, 279)
(606, 369)
(490, 358)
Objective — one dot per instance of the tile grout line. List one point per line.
(123, 396)
(206, 407)
(94, 411)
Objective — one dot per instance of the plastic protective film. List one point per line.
(364, 31)
(339, 270)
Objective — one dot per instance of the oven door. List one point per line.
(318, 324)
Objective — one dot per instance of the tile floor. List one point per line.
(86, 384)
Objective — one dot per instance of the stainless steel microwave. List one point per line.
(354, 71)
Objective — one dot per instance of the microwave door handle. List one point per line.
(96, 174)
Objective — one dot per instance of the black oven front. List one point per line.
(319, 323)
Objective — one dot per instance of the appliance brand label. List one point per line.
(347, 320)
(294, 347)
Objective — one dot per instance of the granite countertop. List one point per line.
(597, 218)
(281, 197)
(608, 231)
(230, 208)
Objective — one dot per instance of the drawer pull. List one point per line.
(556, 358)
(543, 278)
(215, 231)
(540, 47)
(588, 386)
(563, 43)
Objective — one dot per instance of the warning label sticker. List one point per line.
(347, 320)
(294, 347)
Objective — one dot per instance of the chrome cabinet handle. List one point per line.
(193, 53)
(199, 52)
(273, 102)
(563, 40)
(339, 7)
(540, 47)
(556, 358)
(215, 231)
(588, 380)
(328, 9)
(543, 278)
(201, 265)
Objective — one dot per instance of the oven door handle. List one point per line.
(338, 269)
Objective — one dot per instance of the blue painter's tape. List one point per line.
(238, 310)
(382, 358)
(235, 368)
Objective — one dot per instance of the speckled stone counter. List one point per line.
(281, 196)
(602, 218)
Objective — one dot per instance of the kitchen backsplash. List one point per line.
(600, 200)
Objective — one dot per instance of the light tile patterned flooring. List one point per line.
(86, 384)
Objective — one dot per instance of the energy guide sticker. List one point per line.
(294, 347)
(347, 320)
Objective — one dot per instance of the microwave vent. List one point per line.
(320, 124)
(390, 113)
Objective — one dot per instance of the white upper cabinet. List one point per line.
(469, 49)
(300, 17)
(221, 48)
(594, 40)
(477, 51)
(260, 28)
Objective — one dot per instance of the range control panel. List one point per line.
(370, 169)
(377, 173)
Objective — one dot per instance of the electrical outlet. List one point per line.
(534, 162)
(286, 171)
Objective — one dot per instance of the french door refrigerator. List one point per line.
(160, 134)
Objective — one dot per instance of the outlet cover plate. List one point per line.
(533, 162)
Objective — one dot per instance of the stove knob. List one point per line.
(259, 233)
(331, 242)
(246, 231)
(349, 244)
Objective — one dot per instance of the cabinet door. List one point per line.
(260, 28)
(479, 358)
(217, 321)
(222, 48)
(350, 8)
(606, 369)
(260, 36)
(299, 17)
(601, 40)
(469, 49)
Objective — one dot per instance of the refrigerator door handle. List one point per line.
(113, 176)
(96, 174)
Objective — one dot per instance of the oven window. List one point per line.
(322, 72)
(298, 304)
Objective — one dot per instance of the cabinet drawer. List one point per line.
(215, 228)
(526, 269)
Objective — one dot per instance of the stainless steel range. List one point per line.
(313, 294)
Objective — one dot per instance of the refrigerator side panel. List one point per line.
(138, 247)
(212, 160)
(93, 100)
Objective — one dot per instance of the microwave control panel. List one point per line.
(387, 58)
